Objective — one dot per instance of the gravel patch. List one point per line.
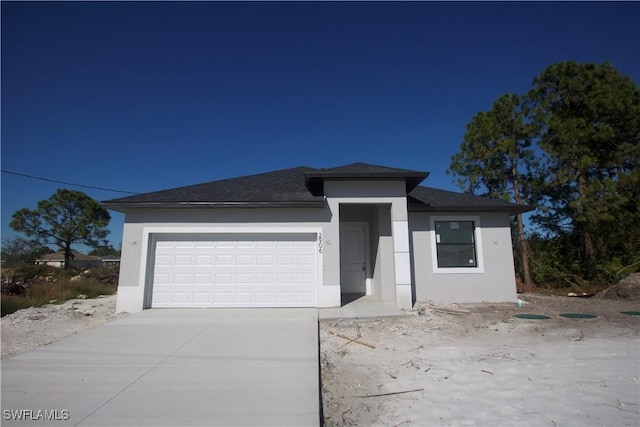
(33, 327)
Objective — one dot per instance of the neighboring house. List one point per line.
(78, 260)
(110, 261)
(307, 237)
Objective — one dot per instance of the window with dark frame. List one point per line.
(455, 244)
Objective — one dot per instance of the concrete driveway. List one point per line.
(177, 367)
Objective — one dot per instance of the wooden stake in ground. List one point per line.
(392, 393)
(356, 339)
(452, 310)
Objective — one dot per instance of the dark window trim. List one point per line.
(473, 243)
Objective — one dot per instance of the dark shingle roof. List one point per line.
(363, 171)
(426, 199)
(283, 187)
(302, 187)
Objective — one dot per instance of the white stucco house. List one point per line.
(306, 237)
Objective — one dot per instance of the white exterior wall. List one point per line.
(140, 224)
(493, 281)
(384, 264)
(403, 264)
(374, 192)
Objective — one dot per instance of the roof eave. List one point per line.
(121, 207)
(511, 210)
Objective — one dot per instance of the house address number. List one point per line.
(319, 242)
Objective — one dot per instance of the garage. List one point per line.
(234, 270)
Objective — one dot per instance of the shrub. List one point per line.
(62, 288)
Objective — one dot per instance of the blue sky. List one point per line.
(153, 95)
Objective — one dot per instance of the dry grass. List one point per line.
(43, 292)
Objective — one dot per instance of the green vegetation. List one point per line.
(105, 250)
(34, 286)
(497, 155)
(571, 148)
(19, 251)
(68, 217)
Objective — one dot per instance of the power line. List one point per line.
(64, 182)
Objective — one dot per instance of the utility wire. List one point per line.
(64, 182)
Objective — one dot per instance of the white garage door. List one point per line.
(235, 270)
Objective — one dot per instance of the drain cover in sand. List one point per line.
(631, 313)
(532, 316)
(578, 315)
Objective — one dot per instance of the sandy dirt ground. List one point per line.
(454, 365)
(484, 367)
(31, 328)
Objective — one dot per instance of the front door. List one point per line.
(353, 256)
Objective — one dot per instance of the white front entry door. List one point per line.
(353, 257)
(235, 270)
